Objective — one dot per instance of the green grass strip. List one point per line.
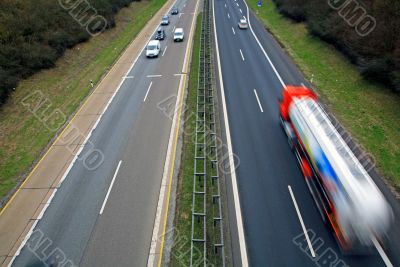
(180, 254)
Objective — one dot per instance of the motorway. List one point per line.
(274, 199)
(105, 217)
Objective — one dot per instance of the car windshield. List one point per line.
(151, 47)
(165, 18)
(178, 33)
(159, 31)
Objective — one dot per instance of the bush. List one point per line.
(293, 9)
(33, 34)
(377, 54)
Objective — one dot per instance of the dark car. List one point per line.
(160, 34)
(174, 11)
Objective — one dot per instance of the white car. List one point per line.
(153, 48)
(178, 35)
(243, 24)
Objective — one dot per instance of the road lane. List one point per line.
(136, 133)
(122, 234)
(267, 165)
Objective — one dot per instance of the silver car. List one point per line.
(165, 20)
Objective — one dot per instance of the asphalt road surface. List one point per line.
(268, 169)
(105, 217)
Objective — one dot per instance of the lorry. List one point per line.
(346, 196)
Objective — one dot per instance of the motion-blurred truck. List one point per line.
(345, 195)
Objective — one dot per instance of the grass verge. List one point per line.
(23, 137)
(369, 111)
(180, 254)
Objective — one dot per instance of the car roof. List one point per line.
(178, 30)
(242, 20)
(154, 42)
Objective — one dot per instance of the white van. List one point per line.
(153, 48)
(178, 35)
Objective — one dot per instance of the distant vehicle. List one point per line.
(243, 24)
(346, 196)
(174, 11)
(165, 20)
(153, 48)
(178, 35)
(160, 34)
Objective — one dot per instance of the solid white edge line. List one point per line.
(240, 50)
(80, 150)
(148, 90)
(69, 167)
(381, 252)
(39, 217)
(164, 186)
(262, 48)
(160, 204)
(301, 221)
(110, 187)
(28, 235)
(233, 30)
(238, 212)
(258, 100)
(186, 58)
(165, 49)
(52, 196)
